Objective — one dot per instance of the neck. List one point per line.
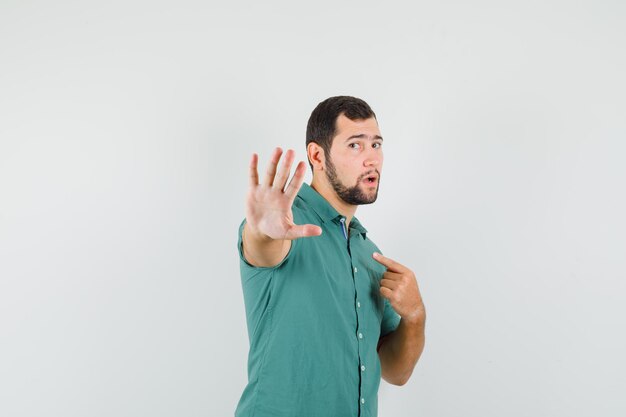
(326, 190)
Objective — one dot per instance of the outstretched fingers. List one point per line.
(283, 173)
(296, 181)
(305, 230)
(254, 173)
(271, 168)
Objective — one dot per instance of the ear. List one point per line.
(316, 156)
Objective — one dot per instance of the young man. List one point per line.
(327, 314)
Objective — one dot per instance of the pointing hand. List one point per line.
(399, 286)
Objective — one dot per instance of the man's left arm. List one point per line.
(400, 350)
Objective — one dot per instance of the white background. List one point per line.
(125, 132)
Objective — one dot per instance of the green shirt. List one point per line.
(314, 321)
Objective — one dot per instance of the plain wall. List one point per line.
(126, 128)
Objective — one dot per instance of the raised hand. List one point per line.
(268, 205)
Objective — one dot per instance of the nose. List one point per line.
(374, 159)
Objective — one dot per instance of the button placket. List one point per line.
(358, 313)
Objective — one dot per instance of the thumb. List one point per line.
(305, 230)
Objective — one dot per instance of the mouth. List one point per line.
(371, 180)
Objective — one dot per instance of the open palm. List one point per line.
(268, 205)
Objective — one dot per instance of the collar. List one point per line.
(324, 210)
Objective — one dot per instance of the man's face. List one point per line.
(355, 162)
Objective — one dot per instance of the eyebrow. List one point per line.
(364, 136)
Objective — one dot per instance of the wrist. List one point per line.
(252, 232)
(416, 320)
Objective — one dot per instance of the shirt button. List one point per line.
(358, 304)
(362, 400)
(355, 270)
(362, 367)
(360, 337)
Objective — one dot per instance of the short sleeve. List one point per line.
(390, 321)
(245, 265)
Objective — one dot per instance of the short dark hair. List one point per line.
(322, 124)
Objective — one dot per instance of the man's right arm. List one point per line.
(262, 251)
(269, 227)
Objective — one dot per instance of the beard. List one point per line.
(352, 195)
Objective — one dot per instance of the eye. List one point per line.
(377, 145)
(354, 145)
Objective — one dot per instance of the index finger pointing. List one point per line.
(391, 265)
